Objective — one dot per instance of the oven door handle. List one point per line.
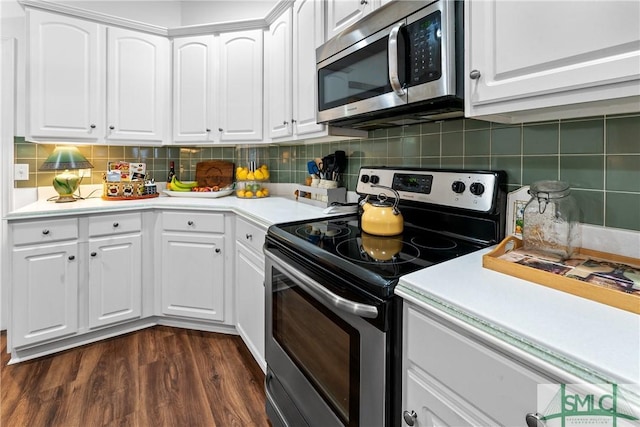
(322, 293)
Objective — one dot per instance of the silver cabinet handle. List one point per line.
(249, 236)
(534, 420)
(474, 75)
(409, 417)
(393, 60)
(189, 222)
(322, 293)
(45, 231)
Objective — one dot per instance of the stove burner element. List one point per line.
(369, 249)
(319, 230)
(434, 242)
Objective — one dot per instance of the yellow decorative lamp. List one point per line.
(66, 183)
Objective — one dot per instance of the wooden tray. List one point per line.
(210, 173)
(120, 198)
(613, 297)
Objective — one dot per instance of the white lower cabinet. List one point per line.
(115, 269)
(45, 291)
(193, 265)
(249, 288)
(450, 378)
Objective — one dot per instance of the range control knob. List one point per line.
(477, 188)
(458, 187)
(375, 179)
(364, 178)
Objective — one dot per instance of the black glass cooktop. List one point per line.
(341, 247)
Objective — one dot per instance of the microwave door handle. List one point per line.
(393, 60)
(322, 293)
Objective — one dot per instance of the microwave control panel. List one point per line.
(424, 40)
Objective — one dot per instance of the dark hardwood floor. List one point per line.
(159, 376)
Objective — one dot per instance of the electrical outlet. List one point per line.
(84, 173)
(21, 172)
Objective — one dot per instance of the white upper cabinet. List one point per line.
(278, 62)
(342, 13)
(65, 80)
(566, 59)
(291, 76)
(194, 76)
(241, 86)
(91, 83)
(308, 34)
(137, 86)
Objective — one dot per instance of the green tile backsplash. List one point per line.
(599, 156)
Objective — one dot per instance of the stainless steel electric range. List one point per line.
(333, 323)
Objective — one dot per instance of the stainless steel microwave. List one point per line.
(399, 65)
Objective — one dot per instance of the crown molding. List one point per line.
(191, 30)
(101, 18)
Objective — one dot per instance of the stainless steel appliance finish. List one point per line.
(333, 334)
(402, 64)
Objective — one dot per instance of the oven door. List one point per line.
(325, 361)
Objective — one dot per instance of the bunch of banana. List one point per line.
(182, 186)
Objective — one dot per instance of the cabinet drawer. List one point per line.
(193, 221)
(42, 232)
(250, 234)
(502, 389)
(114, 224)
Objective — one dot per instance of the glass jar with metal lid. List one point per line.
(551, 219)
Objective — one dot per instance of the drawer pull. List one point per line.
(116, 225)
(249, 236)
(45, 231)
(72, 257)
(189, 222)
(93, 254)
(409, 417)
(218, 250)
(533, 420)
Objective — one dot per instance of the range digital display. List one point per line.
(412, 183)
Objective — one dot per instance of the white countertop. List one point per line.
(592, 336)
(569, 331)
(266, 211)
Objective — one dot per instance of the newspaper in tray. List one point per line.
(599, 272)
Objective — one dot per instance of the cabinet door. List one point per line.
(250, 299)
(65, 77)
(193, 276)
(308, 34)
(194, 75)
(279, 66)
(241, 77)
(430, 408)
(137, 86)
(342, 13)
(45, 293)
(525, 57)
(115, 280)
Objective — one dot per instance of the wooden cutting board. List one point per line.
(214, 172)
